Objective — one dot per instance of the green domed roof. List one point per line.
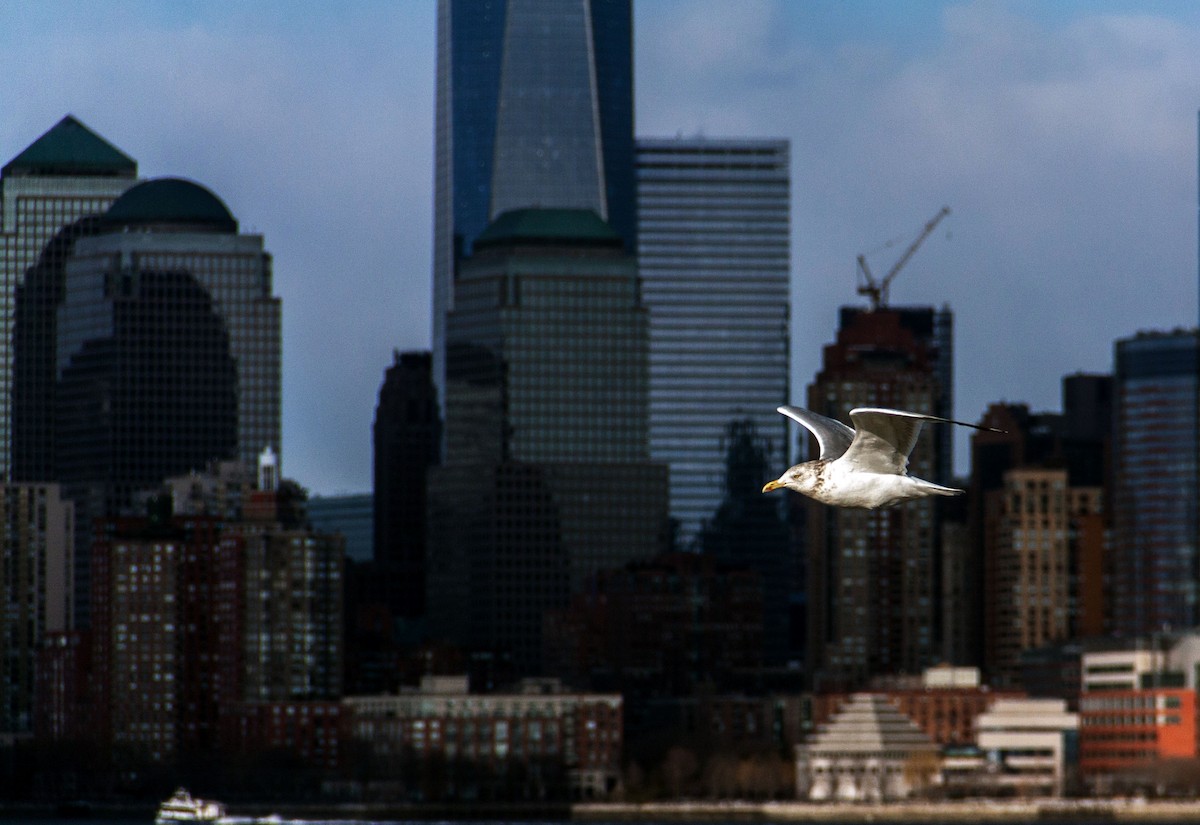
(171, 201)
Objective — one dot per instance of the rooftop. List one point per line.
(173, 202)
(549, 226)
(71, 149)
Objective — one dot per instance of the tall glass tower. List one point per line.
(1156, 441)
(715, 259)
(547, 479)
(50, 194)
(534, 109)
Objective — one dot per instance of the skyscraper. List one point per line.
(714, 255)
(547, 477)
(408, 436)
(168, 350)
(534, 109)
(50, 194)
(874, 576)
(1156, 436)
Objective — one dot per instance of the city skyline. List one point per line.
(1063, 138)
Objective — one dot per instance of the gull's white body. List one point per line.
(864, 467)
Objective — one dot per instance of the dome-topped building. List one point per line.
(171, 204)
(167, 351)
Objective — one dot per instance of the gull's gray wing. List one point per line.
(833, 437)
(883, 439)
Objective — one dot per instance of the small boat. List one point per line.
(183, 807)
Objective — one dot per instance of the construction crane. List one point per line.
(878, 290)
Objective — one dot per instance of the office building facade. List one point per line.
(547, 477)
(1154, 521)
(1035, 529)
(168, 350)
(50, 194)
(534, 108)
(714, 256)
(37, 541)
(1043, 469)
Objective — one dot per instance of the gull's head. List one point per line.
(802, 478)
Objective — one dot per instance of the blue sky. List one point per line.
(1063, 136)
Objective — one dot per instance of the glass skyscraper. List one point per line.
(168, 351)
(534, 109)
(1156, 437)
(547, 478)
(50, 194)
(715, 260)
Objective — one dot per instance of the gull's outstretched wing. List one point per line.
(883, 439)
(833, 437)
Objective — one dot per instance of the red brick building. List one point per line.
(540, 722)
(313, 731)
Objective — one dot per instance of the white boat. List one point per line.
(183, 807)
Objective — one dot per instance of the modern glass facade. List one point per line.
(547, 477)
(534, 108)
(351, 516)
(715, 260)
(50, 194)
(168, 351)
(1156, 585)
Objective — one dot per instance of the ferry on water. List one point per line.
(183, 807)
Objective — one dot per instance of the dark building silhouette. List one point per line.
(547, 477)
(407, 442)
(666, 627)
(749, 530)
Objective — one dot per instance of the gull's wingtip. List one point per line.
(924, 417)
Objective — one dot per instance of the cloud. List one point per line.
(1063, 141)
(1066, 150)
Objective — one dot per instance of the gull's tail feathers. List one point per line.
(931, 489)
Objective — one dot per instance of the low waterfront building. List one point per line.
(539, 724)
(869, 752)
(944, 702)
(1029, 744)
(313, 731)
(1124, 732)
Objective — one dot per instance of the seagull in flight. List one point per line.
(866, 466)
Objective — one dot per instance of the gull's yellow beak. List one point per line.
(771, 485)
